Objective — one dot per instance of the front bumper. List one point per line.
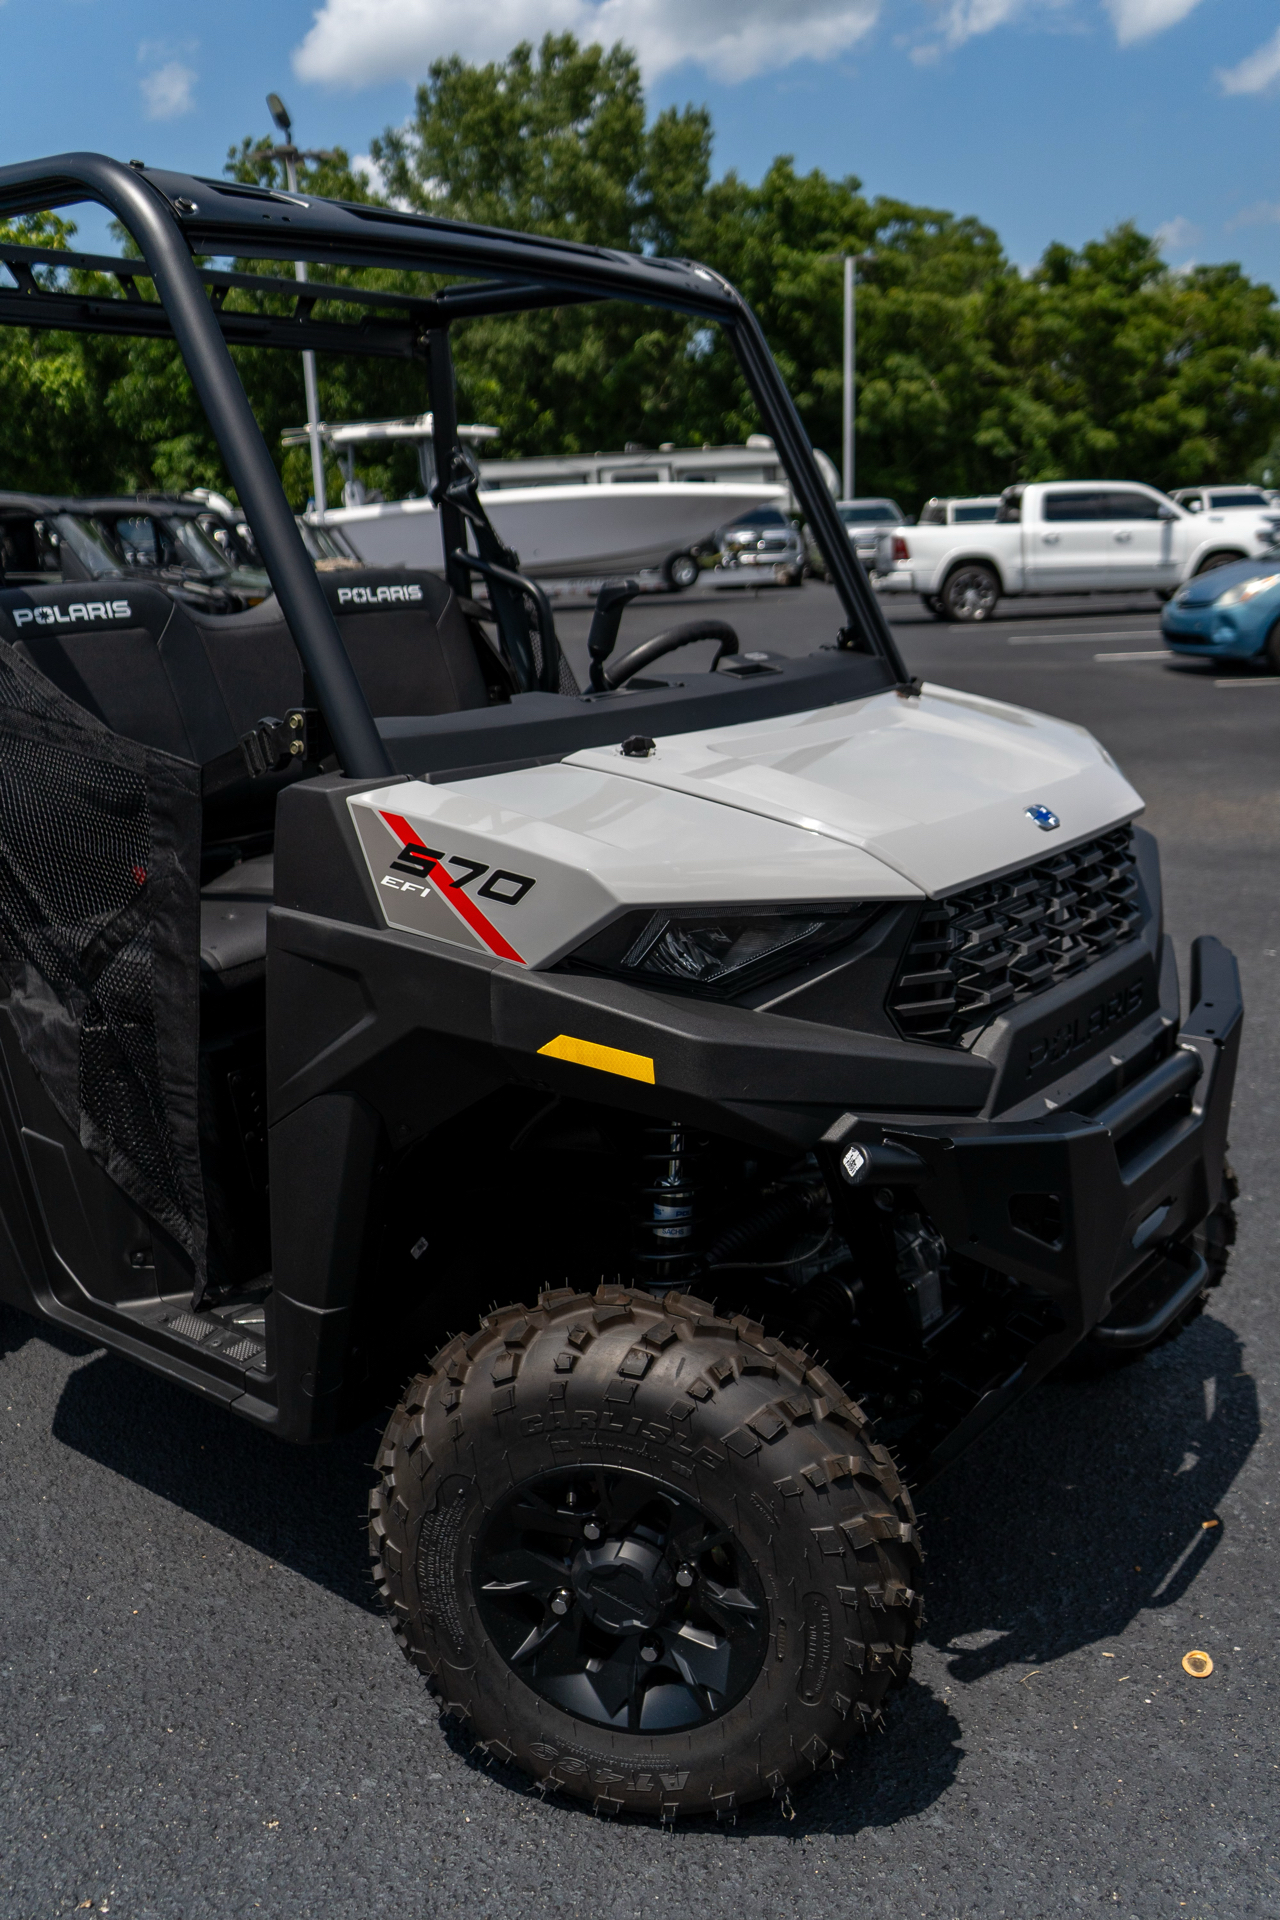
(1083, 1207)
(1228, 633)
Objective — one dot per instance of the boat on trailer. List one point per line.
(568, 516)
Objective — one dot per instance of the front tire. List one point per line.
(1271, 650)
(971, 593)
(680, 572)
(647, 1555)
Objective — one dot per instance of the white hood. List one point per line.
(936, 787)
(878, 799)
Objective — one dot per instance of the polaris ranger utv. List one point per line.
(361, 971)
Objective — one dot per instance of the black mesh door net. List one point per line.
(99, 940)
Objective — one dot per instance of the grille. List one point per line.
(996, 945)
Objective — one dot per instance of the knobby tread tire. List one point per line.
(761, 1439)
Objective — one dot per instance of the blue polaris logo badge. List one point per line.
(1045, 818)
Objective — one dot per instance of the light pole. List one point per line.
(852, 261)
(291, 156)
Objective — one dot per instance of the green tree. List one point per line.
(1115, 365)
(923, 358)
(971, 375)
(162, 430)
(56, 434)
(554, 143)
(557, 143)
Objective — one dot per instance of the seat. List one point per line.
(192, 684)
(136, 660)
(130, 655)
(404, 633)
(233, 923)
(142, 662)
(254, 662)
(407, 639)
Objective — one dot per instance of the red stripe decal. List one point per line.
(451, 893)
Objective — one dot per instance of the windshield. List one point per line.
(89, 545)
(169, 540)
(324, 543)
(870, 513)
(762, 517)
(1242, 497)
(194, 547)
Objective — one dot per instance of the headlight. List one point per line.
(716, 952)
(1248, 589)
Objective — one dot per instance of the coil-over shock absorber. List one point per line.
(666, 1222)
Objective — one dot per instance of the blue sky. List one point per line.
(1049, 119)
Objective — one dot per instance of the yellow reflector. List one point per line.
(586, 1053)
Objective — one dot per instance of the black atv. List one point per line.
(361, 970)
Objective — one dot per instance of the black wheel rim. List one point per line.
(619, 1601)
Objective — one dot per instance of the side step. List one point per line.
(236, 1331)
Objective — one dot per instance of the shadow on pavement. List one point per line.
(887, 1777)
(303, 1507)
(1086, 1507)
(17, 1328)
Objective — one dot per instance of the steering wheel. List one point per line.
(611, 602)
(682, 636)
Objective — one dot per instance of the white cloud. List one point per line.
(357, 42)
(169, 90)
(1139, 19)
(1258, 72)
(1262, 213)
(962, 20)
(1174, 236)
(365, 163)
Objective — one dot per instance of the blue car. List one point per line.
(1230, 613)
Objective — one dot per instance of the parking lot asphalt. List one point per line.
(203, 1714)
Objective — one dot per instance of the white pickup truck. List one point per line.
(1069, 536)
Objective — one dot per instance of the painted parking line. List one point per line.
(1162, 654)
(1078, 639)
(1263, 680)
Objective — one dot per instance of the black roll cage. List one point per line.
(175, 218)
